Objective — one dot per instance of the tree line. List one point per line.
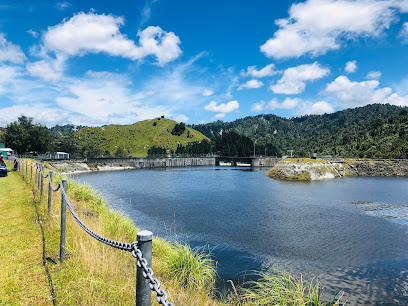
(229, 144)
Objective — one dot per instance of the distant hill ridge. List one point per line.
(136, 139)
(373, 131)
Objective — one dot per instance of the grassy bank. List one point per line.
(94, 273)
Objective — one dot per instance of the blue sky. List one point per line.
(119, 62)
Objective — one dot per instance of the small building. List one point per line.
(61, 155)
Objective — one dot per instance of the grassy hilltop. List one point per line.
(136, 139)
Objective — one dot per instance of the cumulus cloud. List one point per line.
(222, 109)
(268, 70)
(288, 103)
(294, 79)
(208, 92)
(251, 84)
(300, 107)
(350, 67)
(373, 75)
(43, 70)
(353, 94)
(320, 108)
(181, 118)
(318, 26)
(93, 33)
(10, 52)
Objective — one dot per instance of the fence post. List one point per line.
(36, 168)
(26, 168)
(39, 174)
(143, 292)
(41, 183)
(63, 220)
(31, 178)
(49, 192)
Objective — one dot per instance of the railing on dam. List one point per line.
(172, 162)
(140, 249)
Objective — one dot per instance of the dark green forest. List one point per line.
(372, 131)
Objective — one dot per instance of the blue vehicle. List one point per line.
(3, 171)
(3, 168)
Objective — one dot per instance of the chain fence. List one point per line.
(143, 264)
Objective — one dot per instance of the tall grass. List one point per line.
(280, 288)
(191, 268)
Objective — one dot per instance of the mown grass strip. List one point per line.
(22, 274)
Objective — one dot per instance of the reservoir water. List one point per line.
(350, 233)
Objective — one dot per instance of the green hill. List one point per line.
(136, 139)
(373, 131)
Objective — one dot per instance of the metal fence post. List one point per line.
(49, 192)
(26, 168)
(36, 168)
(63, 220)
(39, 174)
(143, 292)
(41, 183)
(31, 177)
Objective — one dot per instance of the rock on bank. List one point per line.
(302, 169)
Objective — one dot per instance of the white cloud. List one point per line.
(288, 103)
(181, 118)
(350, 67)
(32, 33)
(251, 84)
(318, 26)
(320, 108)
(146, 12)
(294, 79)
(222, 109)
(395, 99)
(43, 70)
(63, 5)
(268, 70)
(42, 113)
(10, 52)
(373, 75)
(404, 33)
(258, 107)
(105, 98)
(208, 92)
(93, 33)
(353, 94)
(219, 116)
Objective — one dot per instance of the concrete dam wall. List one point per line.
(155, 162)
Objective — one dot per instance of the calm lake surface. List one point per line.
(349, 233)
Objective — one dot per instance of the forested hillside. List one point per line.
(373, 131)
(65, 130)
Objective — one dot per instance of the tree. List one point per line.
(25, 136)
